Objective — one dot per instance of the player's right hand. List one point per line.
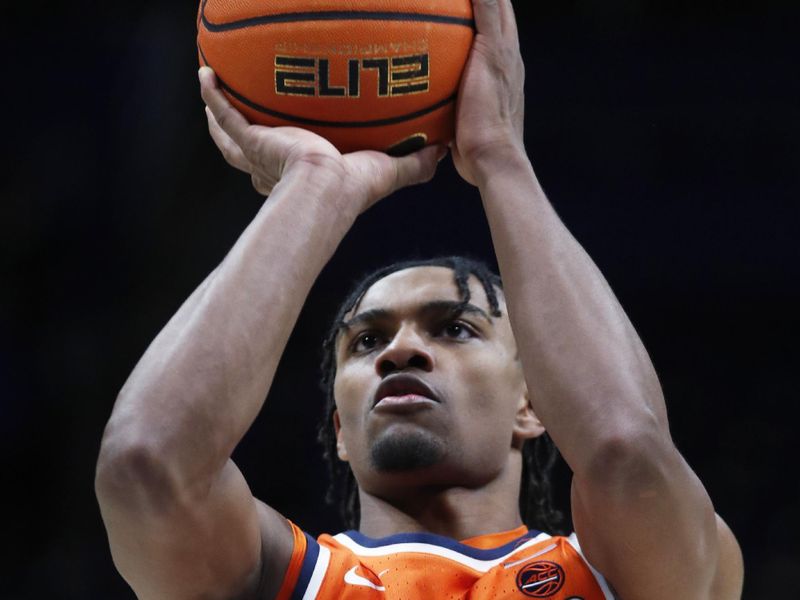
(491, 98)
(268, 154)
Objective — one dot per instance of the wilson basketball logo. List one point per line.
(540, 579)
(394, 76)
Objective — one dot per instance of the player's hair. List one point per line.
(539, 454)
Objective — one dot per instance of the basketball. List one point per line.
(364, 74)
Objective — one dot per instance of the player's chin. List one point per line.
(406, 448)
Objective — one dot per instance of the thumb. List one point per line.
(487, 15)
(418, 167)
(380, 174)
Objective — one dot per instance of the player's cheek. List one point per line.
(348, 387)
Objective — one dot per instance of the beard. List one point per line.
(406, 451)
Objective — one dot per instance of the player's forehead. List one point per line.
(405, 290)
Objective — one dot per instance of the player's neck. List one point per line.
(456, 512)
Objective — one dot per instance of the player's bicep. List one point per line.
(221, 546)
(649, 528)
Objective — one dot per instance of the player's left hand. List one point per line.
(491, 101)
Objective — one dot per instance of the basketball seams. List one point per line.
(387, 45)
(338, 15)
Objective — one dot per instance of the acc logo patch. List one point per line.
(540, 579)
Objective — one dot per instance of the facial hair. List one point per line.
(406, 451)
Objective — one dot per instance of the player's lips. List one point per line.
(403, 389)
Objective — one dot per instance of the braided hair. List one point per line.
(539, 454)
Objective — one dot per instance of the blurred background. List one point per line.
(665, 133)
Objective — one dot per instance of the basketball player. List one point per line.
(441, 378)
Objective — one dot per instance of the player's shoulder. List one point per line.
(351, 565)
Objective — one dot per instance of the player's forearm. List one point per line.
(590, 378)
(204, 378)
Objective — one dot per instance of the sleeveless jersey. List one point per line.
(515, 564)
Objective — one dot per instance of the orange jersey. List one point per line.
(421, 566)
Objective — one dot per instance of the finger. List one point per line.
(418, 167)
(508, 20)
(230, 150)
(487, 17)
(229, 119)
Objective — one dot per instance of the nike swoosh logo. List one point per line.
(354, 579)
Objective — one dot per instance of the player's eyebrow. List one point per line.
(368, 316)
(454, 309)
(449, 308)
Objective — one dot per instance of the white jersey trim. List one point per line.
(473, 563)
(601, 581)
(318, 575)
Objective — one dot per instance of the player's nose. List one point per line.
(408, 349)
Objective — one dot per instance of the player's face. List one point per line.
(424, 391)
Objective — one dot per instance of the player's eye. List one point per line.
(364, 342)
(457, 330)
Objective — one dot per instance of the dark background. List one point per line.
(666, 135)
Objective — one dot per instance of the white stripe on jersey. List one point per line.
(473, 563)
(544, 550)
(601, 581)
(318, 575)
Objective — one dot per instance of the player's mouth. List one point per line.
(403, 392)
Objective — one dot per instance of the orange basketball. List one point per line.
(365, 74)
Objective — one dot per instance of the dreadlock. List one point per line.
(538, 455)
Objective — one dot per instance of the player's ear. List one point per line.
(340, 447)
(526, 424)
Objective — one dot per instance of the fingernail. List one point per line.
(442, 152)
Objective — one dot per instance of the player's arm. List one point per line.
(643, 517)
(181, 520)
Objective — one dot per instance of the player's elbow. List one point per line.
(133, 475)
(630, 457)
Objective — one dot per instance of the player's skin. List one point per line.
(181, 520)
